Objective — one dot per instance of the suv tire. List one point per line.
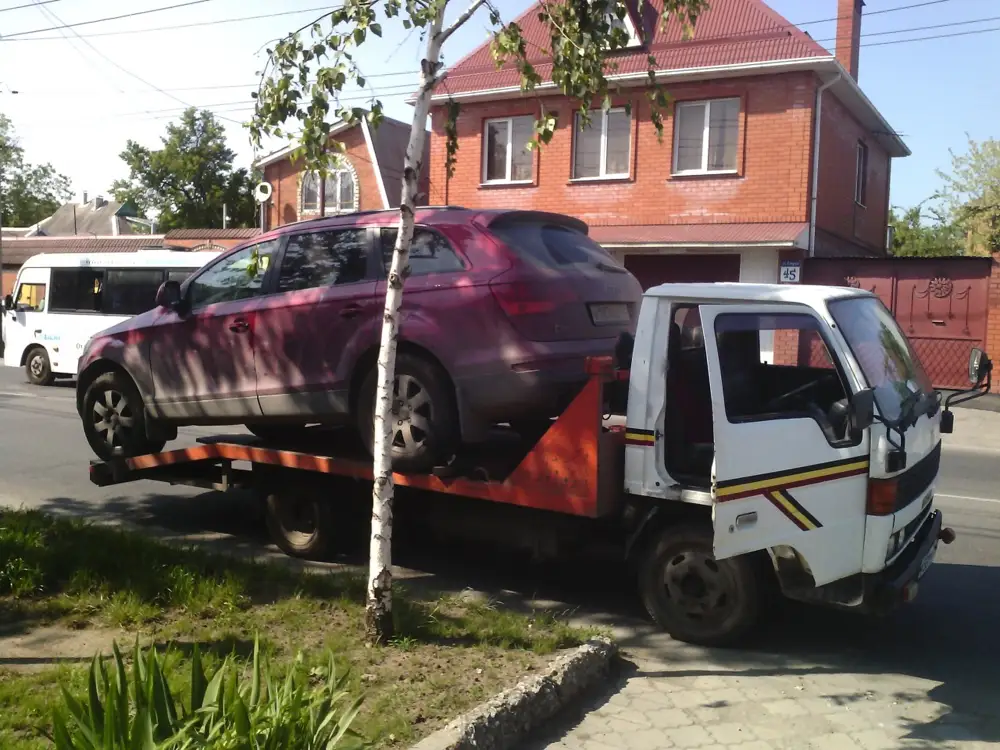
(425, 433)
(114, 417)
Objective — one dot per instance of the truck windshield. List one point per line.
(885, 355)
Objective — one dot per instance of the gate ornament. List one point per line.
(940, 286)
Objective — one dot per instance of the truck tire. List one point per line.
(694, 597)
(426, 435)
(302, 525)
(37, 367)
(114, 417)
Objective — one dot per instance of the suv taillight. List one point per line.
(520, 298)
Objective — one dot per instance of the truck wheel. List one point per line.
(114, 417)
(301, 525)
(425, 419)
(38, 368)
(694, 597)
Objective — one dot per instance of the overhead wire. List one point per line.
(133, 14)
(27, 5)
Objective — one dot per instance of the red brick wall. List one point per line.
(284, 179)
(772, 183)
(993, 321)
(7, 283)
(836, 211)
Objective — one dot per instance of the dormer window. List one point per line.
(628, 26)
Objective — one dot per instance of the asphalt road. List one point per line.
(946, 638)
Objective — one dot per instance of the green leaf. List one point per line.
(197, 680)
(376, 29)
(96, 708)
(255, 677)
(60, 735)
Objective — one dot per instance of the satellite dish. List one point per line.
(262, 192)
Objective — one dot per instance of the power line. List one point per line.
(108, 18)
(173, 27)
(932, 37)
(918, 28)
(870, 13)
(27, 5)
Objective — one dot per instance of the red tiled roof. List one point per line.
(233, 233)
(18, 250)
(700, 234)
(730, 32)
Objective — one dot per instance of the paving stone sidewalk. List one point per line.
(706, 707)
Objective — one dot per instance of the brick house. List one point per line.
(369, 178)
(772, 151)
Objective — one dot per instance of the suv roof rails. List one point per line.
(313, 219)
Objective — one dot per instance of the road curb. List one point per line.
(508, 717)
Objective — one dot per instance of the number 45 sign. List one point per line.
(791, 272)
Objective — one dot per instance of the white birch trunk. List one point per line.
(378, 609)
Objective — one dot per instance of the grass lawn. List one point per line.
(449, 654)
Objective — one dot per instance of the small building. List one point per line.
(369, 178)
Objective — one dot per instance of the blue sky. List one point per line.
(79, 100)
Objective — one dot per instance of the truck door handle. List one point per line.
(38, 331)
(351, 311)
(745, 520)
(239, 326)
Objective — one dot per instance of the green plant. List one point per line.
(312, 711)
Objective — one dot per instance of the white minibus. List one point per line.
(60, 300)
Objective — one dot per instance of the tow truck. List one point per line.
(744, 436)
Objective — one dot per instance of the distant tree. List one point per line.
(28, 192)
(186, 182)
(971, 194)
(914, 237)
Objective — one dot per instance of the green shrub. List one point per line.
(224, 711)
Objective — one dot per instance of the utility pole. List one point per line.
(225, 216)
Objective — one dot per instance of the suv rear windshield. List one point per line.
(551, 245)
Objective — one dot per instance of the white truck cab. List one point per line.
(800, 417)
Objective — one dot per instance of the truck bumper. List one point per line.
(897, 584)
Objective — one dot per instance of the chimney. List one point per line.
(849, 34)
(84, 197)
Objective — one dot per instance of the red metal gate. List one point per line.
(940, 303)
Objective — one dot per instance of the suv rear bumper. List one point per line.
(886, 590)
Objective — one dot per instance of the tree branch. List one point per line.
(457, 23)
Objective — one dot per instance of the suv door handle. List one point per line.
(351, 311)
(239, 326)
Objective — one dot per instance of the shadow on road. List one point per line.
(947, 636)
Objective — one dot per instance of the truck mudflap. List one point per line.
(898, 583)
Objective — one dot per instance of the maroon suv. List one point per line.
(498, 315)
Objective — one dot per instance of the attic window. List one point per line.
(341, 194)
(628, 27)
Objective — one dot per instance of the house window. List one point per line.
(505, 154)
(706, 136)
(626, 25)
(602, 149)
(861, 175)
(339, 192)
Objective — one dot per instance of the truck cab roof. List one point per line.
(804, 294)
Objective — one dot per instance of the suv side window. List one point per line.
(319, 259)
(430, 252)
(235, 277)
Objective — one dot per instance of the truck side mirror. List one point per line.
(979, 366)
(861, 412)
(8, 302)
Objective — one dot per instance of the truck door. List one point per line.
(787, 471)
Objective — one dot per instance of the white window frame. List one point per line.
(629, 26)
(707, 103)
(861, 173)
(602, 174)
(510, 153)
(321, 186)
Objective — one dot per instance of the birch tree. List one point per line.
(299, 98)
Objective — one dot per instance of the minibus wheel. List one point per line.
(37, 367)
